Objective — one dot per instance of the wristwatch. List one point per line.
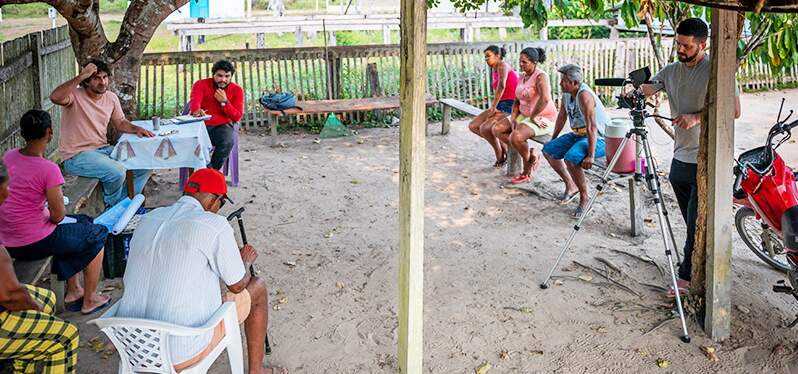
(223, 103)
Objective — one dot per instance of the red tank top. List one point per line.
(509, 85)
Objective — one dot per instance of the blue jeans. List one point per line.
(572, 148)
(98, 164)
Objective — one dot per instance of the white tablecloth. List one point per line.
(190, 147)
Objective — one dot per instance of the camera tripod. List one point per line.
(647, 172)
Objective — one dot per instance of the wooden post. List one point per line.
(514, 163)
(35, 45)
(614, 33)
(477, 33)
(447, 119)
(331, 39)
(273, 122)
(719, 130)
(544, 33)
(249, 8)
(130, 187)
(373, 79)
(502, 33)
(413, 81)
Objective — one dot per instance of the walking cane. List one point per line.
(237, 215)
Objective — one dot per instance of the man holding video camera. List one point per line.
(685, 82)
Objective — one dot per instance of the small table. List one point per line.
(189, 147)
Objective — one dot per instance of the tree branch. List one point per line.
(141, 20)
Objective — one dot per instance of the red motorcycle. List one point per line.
(767, 220)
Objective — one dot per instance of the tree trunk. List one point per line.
(123, 55)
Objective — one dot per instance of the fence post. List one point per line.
(620, 59)
(333, 65)
(35, 48)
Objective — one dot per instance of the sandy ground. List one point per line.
(324, 218)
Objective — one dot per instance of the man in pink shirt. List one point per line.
(88, 107)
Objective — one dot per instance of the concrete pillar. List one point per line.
(614, 34)
(544, 33)
(331, 39)
(502, 33)
(300, 37)
(477, 33)
(386, 35)
(260, 40)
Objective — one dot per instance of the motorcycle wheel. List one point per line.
(754, 232)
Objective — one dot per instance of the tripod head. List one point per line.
(635, 101)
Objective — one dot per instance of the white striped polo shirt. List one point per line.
(178, 255)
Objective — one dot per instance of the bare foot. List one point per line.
(93, 302)
(73, 295)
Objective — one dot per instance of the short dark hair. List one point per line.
(496, 50)
(34, 124)
(534, 54)
(694, 27)
(225, 65)
(101, 67)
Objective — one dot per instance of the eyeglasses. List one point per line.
(222, 200)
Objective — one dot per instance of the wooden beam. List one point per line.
(412, 154)
(720, 156)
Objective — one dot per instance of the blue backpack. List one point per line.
(278, 101)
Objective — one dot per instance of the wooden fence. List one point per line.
(455, 70)
(30, 68)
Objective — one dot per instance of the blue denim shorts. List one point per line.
(505, 106)
(572, 148)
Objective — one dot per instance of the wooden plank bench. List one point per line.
(336, 106)
(514, 163)
(85, 197)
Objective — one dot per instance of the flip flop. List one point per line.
(518, 179)
(278, 370)
(577, 212)
(107, 303)
(74, 306)
(500, 163)
(683, 290)
(566, 198)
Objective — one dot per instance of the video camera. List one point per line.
(636, 79)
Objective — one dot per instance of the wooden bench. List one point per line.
(336, 106)
(515, 164)
(85, 197)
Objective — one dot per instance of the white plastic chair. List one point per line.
(143, 344)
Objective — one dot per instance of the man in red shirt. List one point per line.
(223, 100)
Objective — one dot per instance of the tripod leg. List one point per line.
(662, 218)
(604, 180)
(652, 179)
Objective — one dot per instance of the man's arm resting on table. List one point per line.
(13, 295)
(124, 126)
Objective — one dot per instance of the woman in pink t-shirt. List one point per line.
(33, 223)
(503, 82)
(534, 113)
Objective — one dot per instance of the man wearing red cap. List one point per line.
(178, 256)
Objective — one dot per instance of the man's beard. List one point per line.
(220, 85)
(100, 90)
(686, 59)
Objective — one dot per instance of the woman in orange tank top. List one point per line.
(533, 112)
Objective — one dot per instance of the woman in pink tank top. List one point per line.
(533, 112)
(504, 81)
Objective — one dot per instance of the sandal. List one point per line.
(567, 198)
(518, 179)
(684, 289)
(501, 162)
(577, 212)
(101, 306)
(74, 306)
